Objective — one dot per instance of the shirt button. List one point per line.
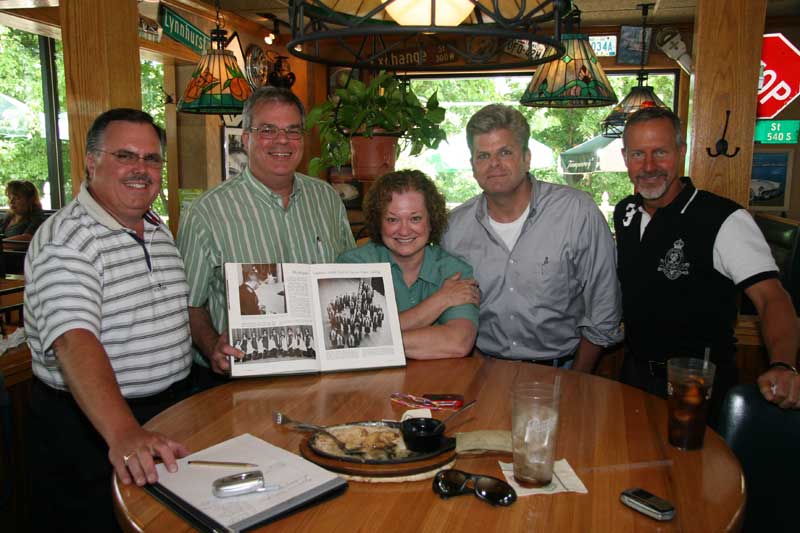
(511, 289)
(511, 261)
(514, 343)
(511, 317)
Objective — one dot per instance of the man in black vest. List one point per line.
(683, 254)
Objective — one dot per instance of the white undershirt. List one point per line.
(509, 231)
(740, 250)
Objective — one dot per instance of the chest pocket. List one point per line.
(547, 283)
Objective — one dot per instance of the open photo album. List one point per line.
(292, 318)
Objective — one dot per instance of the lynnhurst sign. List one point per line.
(181, 30)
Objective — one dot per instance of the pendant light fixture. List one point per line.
(574, 80)
(427, 35)
(218, 86)
(640, 96)
(419, 12)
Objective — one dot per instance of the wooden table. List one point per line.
(614, 436)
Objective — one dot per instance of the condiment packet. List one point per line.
(564, 480)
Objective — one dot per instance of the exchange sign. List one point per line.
(780, 82)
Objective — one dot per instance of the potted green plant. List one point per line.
(385, 109)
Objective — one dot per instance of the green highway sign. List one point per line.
(777, 131)
(183, 31)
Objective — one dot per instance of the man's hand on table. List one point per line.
(219, 356)
(781, 386)
(132, 455)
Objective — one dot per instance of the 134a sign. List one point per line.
(779, 83)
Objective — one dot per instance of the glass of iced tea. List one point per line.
(689, 383)
(534, 427)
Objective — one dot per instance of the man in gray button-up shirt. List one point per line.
(542, 253)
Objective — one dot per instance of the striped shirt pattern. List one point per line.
(243, 221)
(84, 270)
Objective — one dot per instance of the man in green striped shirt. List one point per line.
(267, 214)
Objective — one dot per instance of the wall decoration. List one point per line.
(629, 51)
(234, 158)
(771, 179)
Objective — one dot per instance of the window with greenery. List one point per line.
(556, 129)
(153, 103)
(23, 140)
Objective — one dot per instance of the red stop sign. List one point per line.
(780, 81)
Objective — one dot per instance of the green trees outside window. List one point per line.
(558, 129)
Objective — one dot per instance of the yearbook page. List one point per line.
(293, 318)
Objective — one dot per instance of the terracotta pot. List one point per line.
(374, 156)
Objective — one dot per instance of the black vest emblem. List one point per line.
(672, 265)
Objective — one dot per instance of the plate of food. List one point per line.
(378, 442)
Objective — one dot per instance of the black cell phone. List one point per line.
(648, 504)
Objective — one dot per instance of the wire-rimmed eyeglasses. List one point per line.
(127, 158)
(449, 483)
(270, 131)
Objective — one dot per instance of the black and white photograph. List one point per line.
(261, 289)
(234, 159)
(354, 313)
(280, 343)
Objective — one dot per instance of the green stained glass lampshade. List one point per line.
(574, 80)
(217, 87)
(640, 97)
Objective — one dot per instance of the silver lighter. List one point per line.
(243, 483)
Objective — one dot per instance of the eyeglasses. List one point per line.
(449, 483)
(269, 131)
(124, 157)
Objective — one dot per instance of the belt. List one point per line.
(653, 367)
(556, 361)
(176, 388)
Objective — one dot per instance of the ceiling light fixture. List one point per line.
(640, 96)
(420, 12)
(398, 34)
(218, 86)
(576, 79)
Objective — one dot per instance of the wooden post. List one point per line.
(727, 52)
(101, 64)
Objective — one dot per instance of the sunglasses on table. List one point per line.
(449, 483)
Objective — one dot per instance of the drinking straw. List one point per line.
(706, 356)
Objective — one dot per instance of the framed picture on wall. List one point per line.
(629, 49)
(771, 179)
(234, 158)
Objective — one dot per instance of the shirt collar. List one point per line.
(427, 272)
(482, 211)
(99, 213)
(267, 194)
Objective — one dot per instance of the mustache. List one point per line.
(139, 177)
(652, 174)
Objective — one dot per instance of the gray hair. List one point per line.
(646, 114)
(271, 94)
(499, 117)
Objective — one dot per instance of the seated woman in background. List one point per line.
(24, 215)
(436, 295)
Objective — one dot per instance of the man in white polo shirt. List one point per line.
(107, 323)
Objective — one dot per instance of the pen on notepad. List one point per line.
(222, 463)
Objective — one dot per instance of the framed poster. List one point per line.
(234, 158)
(771, 179)
(629, 48)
